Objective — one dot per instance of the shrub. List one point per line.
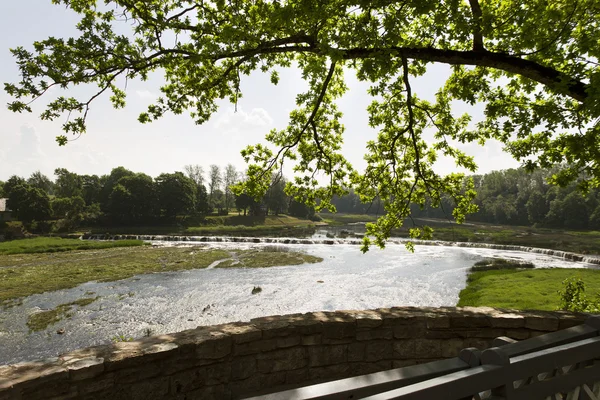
(573, 297)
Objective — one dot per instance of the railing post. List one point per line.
(497, 356)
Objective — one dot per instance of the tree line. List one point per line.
(125, 197)
(509, 197)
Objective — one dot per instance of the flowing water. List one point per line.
(174, 301)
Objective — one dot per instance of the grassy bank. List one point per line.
(584, 242)
(26, 274)
(532, 289)
(345, 219)
(54, 245)
(230, 225)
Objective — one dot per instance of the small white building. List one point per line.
(5, 214)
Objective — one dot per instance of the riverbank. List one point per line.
(524, 289)
(581, 242)
(57, 244)
(22, 275)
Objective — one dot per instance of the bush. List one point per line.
(500, 263)
(573, 297)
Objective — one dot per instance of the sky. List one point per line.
(115, 137)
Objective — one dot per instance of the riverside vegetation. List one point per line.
(31, 271)
(515, 285)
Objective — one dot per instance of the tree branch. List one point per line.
(477, 35)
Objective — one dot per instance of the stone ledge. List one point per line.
(238, 358)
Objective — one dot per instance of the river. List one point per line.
(174, 301)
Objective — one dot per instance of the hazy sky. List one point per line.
(115, 138)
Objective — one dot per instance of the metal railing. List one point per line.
(558, 365)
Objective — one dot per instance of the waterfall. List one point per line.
(349, 241)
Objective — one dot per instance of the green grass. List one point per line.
(22, 275)
(535, 289)
(55, 244)
(234, 225)
(583, 242)
(26, 274)
(41, 320)
(264, 259)
(260, 230)
(344, 219)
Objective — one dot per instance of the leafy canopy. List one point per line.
(533, 64)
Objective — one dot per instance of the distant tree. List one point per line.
(300, 210)
(229, 178)
(275, 199)
(68, 207)
(109, 182)
(29, 203)
(133, 199)
(68, 184)
(214, 182)
(195, 173)
(537, 208)
(1, 189)
(202, 206)
(176, 194)
(243, 202)
(92, 187)
(11, 184)
(42, 182)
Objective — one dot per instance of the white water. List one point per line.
(174, 301)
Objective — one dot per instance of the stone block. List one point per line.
(517, 334)
(403, 363)
(373, 334)
(272, 327)
(378, 350)
(312, 340)
(478, 343)
(254, 347)
(428, 348)
(541, 323)
(85, 368)
(404, 349)
(282, 360)
(296, 376)
(327, 355)
(356, 352)
(470, 321)
(98, 384)
(51, 390)
(408, 331)
(152, 389)
(438, 322)
(242, 333)
(452, 347)
(243, 367)
(288, 341)
(339, 330)
(507, 320)
(215, 392)
(139, 373)
(363, 368)
(216, 347)
(329, 372)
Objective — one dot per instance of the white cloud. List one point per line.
(232, 120)
(146, 94)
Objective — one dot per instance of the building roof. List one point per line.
(3, 205)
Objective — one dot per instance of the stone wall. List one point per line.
(240, 359)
